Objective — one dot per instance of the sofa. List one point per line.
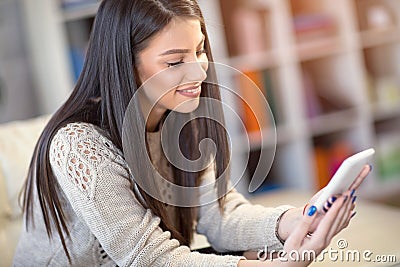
(17, 141)
(374, 228)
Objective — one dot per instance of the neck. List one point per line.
(153, 120)
(152, 115)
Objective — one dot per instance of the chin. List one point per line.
(188, 106)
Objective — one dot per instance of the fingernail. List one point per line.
(331, 200)
(328, 204)
(370, 167)
(304, 209)
(312, 210)
(352, 192)
(345, 198)
(354, 199)
(324, 208)
(353, 214)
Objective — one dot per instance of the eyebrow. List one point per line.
(180, 51)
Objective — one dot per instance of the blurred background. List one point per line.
(329, 70)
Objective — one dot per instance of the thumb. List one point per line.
(300, 232)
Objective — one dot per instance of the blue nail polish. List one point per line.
(334, 199)
(354, 213)
(354, 199)
(352, 192)
(370, 167)
(312, 210)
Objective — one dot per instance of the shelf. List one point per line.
(381, 112)
(257, 61)
(284, 134)
(333, 122)
(261, 3)
(382, 73)
(324, 89)
(247, 27)
(83, 11)
(378, 37)
(319, 48)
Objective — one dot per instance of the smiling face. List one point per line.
(172, 67)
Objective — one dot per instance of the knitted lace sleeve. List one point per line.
(95, 179)
(242, 226)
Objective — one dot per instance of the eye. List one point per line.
(200, 52)
(173, 64)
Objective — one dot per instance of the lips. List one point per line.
(193, 91)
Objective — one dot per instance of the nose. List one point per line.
(196, 71)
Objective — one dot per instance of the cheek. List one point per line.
(160, 87)
(165, 82)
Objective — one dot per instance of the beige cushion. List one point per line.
(4, 206)
(17, 141)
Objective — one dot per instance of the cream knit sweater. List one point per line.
(108, 225)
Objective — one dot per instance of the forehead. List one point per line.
(179, 33)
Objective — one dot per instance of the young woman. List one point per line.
(81, 202)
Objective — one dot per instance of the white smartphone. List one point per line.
(344, 176)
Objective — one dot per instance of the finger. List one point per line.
(360, 178)
(345, 223)
(342, 217)
(353, 202)
(329, 219)
(300, 232)
(349, 214)
(353, 206)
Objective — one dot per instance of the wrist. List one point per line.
(287, 222)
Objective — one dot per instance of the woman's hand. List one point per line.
(301, 248)
(300, 243)
(292, 217)
(295, 227)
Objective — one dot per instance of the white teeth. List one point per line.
(191, 90)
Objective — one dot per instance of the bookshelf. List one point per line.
(335, 82)
(331, 67)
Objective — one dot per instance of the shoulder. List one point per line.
(83, 140)
(79, 130)
(81, 152)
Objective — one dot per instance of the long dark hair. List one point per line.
(122, 28)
